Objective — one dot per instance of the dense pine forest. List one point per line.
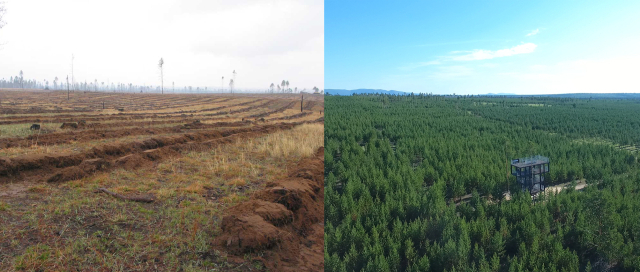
(420, 182)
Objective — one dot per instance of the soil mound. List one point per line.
(285, 220)
(69, 126)
(85, 168)
(64, 167)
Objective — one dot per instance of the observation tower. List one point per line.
(530, 173)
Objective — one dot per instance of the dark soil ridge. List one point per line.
(263, 105)
(309, 105)
(89, 135)
(64, 167)
(284, 221)
(82, 106)
(278, 110)
(222, 107)
(295, 116)
(90, 131)
(145, 105)
(119, 116)
(93, 101)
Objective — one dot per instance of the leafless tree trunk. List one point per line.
(2, 11)
(72, 82)
(67, 87)
(161, 75)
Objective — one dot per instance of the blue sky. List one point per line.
(478, 47)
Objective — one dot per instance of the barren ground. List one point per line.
(235, 182)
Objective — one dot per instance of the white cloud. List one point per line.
(480, 54)
(597, 75)
(534, 32)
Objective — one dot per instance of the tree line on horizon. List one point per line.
(20, 82)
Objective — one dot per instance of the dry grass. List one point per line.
(74, 147)
(301, 141)
(23, 130)
(68, 227)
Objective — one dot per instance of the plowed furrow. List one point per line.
(57, 168)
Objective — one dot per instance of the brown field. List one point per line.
(151, 182)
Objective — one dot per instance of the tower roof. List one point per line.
(529, 161)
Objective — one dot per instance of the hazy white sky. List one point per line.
(265, 41)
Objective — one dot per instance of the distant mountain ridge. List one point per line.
(344, 92)
(579, 95)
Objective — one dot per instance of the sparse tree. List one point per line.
(222, 85)
(231, 82)
(160, 63)
(55, 83)
(284, 83)
(234, 77)
(271, 87)
(287, 83)
(21, 79)
(72, 79)
(2, 11)
(68, 87)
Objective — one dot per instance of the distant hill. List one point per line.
(598, 95)
(344, 92)
(578, 95)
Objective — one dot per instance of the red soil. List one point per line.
(284, 220)
(64, 167)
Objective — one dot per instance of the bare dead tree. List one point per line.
(161, 74)
(2, 11)
(72, 82)
(234, 77)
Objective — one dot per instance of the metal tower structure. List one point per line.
(530, 173)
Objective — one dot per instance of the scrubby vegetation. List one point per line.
(418, 183)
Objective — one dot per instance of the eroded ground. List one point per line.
(195, 156)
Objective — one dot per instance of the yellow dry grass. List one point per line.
(76, 228)
(301, 141)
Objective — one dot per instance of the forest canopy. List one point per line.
(418, 183)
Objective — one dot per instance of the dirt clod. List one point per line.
(265, 221)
